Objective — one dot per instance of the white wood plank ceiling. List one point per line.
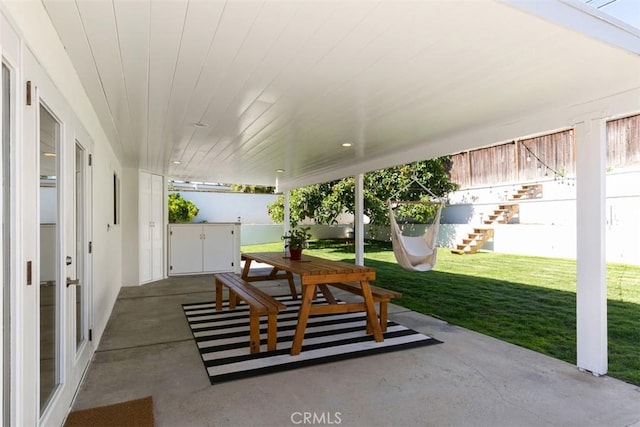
(282, 84)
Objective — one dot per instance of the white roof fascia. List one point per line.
(584, 19)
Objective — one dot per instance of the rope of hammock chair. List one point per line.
(417, 253)
(395, 204)
(415, 202)
(439, 200)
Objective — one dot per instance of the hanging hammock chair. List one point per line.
(415, 253)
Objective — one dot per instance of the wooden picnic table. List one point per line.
(316, 273)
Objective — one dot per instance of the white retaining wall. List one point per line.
(255, 234)
(544, 227)
(228, 207)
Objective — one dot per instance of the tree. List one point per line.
(303, 203)
(255, 189)
(181, 210)
(324, 202)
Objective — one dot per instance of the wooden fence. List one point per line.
(552, 155)
(623, 142)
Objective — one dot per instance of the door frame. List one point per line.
(12, 404)
(8, 246)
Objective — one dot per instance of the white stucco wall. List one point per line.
(556, 206)
(228, 207)
(130, 235)
(255, 234)
(107, 238)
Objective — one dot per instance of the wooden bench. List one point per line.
(260, 304)
(380, 295)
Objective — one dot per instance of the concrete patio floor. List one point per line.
(469, 380)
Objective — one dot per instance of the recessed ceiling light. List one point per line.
(176, 162)
(279, 170)
(200, 125)
(346, 144)
(49, 154)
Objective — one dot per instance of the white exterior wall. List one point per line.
(130, 236)
(107, 238)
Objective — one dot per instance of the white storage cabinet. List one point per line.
(152, 204)
(204, 248)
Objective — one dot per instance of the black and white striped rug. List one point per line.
(222, 338)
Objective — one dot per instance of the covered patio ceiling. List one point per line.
(236, 91)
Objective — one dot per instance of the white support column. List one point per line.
(359, 219)
(287, 213)
(591, 302)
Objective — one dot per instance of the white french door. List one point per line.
(57, 233)
(81, 280)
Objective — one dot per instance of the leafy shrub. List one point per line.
(181, 210)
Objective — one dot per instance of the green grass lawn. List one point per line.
(527, 301)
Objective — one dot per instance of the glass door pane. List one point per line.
(49, 293)
(81, 248)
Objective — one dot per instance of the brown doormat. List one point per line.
(138, 413)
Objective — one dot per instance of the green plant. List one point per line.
(297, 238)
(181, 210)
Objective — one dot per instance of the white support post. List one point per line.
(287, 214)
(359, 219)
(591, 299)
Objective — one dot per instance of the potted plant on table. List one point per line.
(297, 240)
